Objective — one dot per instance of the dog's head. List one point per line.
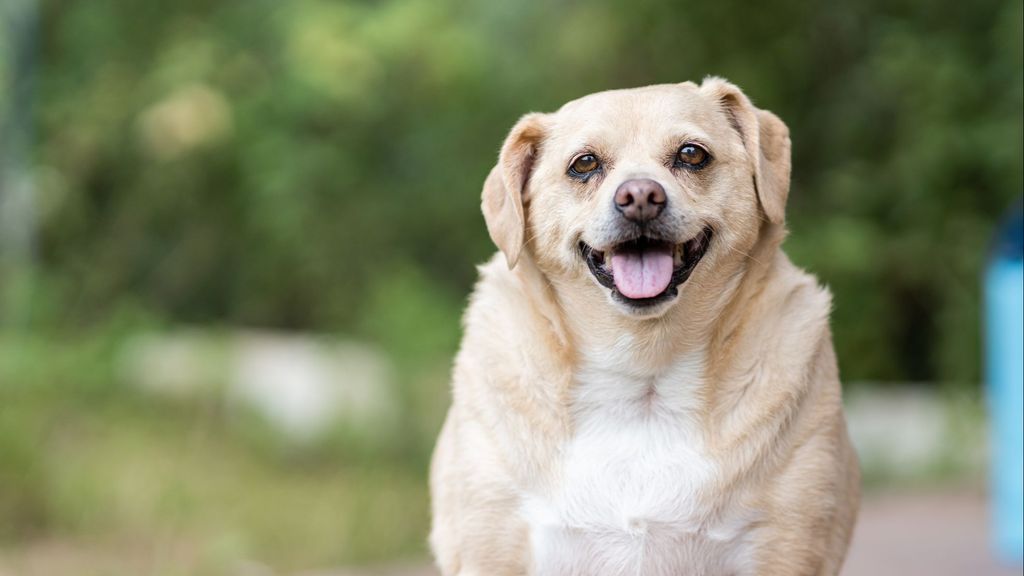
(645, 195)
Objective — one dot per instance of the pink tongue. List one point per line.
(642, 274)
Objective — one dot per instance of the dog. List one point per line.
(646, 384)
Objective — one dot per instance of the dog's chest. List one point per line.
(634, 492)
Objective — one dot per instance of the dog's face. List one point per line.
(640, 194)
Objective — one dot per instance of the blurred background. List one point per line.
(236, 238)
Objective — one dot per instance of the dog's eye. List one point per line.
(691, 156)
(584, 165)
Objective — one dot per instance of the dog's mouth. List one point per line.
(645, 271)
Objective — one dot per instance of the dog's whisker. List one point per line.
(746, 255)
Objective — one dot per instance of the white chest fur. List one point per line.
(633, 496)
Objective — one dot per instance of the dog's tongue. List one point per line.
(642, 273)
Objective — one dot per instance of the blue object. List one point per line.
(1004, 315)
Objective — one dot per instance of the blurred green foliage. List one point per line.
(316, 165)
(285, 164)
(99, 480)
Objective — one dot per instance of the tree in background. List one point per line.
(317, 165)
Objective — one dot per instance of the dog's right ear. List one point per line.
(503, 202)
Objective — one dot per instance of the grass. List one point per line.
(95, 476)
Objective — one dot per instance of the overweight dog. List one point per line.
(646, 385)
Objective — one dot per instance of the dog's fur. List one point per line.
(702, 435)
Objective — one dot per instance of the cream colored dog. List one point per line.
(647, 385)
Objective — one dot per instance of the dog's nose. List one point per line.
(640, 200)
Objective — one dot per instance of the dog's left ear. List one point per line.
(766, 139)
(502, 200)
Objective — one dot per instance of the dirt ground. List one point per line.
(929, 534)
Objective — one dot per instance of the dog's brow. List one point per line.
(690, 132)
(582, 145)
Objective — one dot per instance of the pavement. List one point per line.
(897, 534)
(926, 534)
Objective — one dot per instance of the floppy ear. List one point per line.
(502, 200)
(766, 139)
